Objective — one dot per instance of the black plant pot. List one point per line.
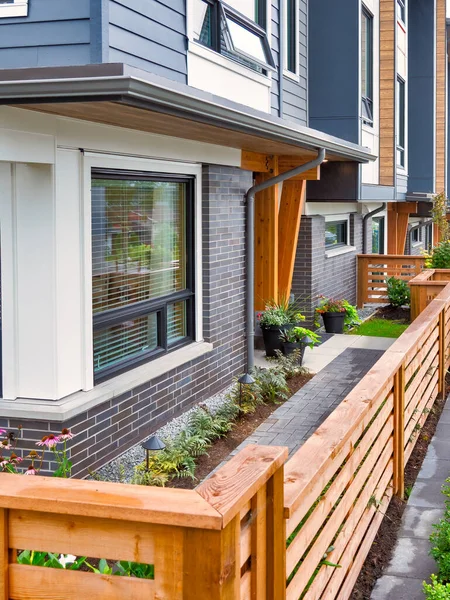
(334, 321)
(271, 337)
(290, 347)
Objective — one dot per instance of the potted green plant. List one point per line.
(298, 338)
(336, 314)
(277, 316)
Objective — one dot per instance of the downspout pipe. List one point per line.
(250, 246)
(370, 214)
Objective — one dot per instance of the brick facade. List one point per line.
(315, 273)
(110, 428)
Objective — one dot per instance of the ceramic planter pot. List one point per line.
(334, 322)
(271, 337)
(289, 348)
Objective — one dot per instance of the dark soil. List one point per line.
(382, 548)
(393, 314)
(244, 427)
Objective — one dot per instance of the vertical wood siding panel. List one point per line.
(387, 91)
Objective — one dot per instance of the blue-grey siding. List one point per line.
(294, 93)
(334, 67)
(55, 32)
(421, 92)
(151, 35)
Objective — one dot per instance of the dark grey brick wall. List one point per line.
(112, 427)
(315, 274)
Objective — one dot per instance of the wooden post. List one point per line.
(363, 280)
(4, 555)
(442, 371)
(259, 555)
(399, 432)
(276, 538)
(291, 207)
(266, 240)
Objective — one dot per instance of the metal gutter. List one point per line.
(160, 95)
(250, 247)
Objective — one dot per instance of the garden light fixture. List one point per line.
(246, 379)
(153, 444)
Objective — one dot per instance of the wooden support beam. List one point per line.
(406, 207)
(266, 240)
(286, 163)
(402, 230)
(398, 219)
(392, 228)
(255, 161)
(291, 208)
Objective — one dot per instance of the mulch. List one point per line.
(242, 429)
(383, 546)
(393, 314)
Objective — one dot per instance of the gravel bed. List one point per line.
(136, 455)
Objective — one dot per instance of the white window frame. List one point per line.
(18, 8)
(330, 252)
(119, 162)
(292, 75)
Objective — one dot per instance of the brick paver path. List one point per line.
(293, 422)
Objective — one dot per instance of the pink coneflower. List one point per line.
(30, 471)
(5, 445)
(3, 463)
(48, 440)
(65, 434)
(2, 431)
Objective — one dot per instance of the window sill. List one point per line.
(289, 75)
(227, 63)
(79, 402)
(339, 251)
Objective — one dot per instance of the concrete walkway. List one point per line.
(411, 563)
(319, 357)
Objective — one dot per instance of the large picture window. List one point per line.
(235, 30)
(142, 268)
(366, 67)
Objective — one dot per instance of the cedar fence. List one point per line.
(227, 539)
(374, 269)
(425, 287)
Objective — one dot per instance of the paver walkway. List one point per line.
(293, 422)
(411, 564)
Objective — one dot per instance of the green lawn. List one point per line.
(380, 328)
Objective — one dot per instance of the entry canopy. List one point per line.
(119, 95)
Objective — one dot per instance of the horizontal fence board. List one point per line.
(326, 458)
(325, 537)
(246, 543)
(411, 442)
(83, 536)
(416, 357)
(421, 381)
(428, 393)
(320, 513)
(40, 583)
(329, 579)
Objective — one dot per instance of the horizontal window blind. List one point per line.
(141, 280)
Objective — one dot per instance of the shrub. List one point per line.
(436, 590)
(439, 257)
(398, 292)
(270, 384)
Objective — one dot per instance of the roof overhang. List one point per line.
(122, 96)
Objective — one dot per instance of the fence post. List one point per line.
(362, 280)
(399, 432)
(4, 555)
(248, 492)
(442, 352)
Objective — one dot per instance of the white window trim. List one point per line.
(101, 161)
(213, 56)
(330, 252)
(19, 8)
(295, 76)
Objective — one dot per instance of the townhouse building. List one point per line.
(130, 134)
(377, 77)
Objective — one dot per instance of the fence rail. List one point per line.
(257, 529)
(339, 484)
(374, 269)
(425, 287)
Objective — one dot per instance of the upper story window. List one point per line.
(291, 36)
(366, 67)
(13, 8)
(401, 11)
(233, 31)
(400, 122)
(142, 268)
